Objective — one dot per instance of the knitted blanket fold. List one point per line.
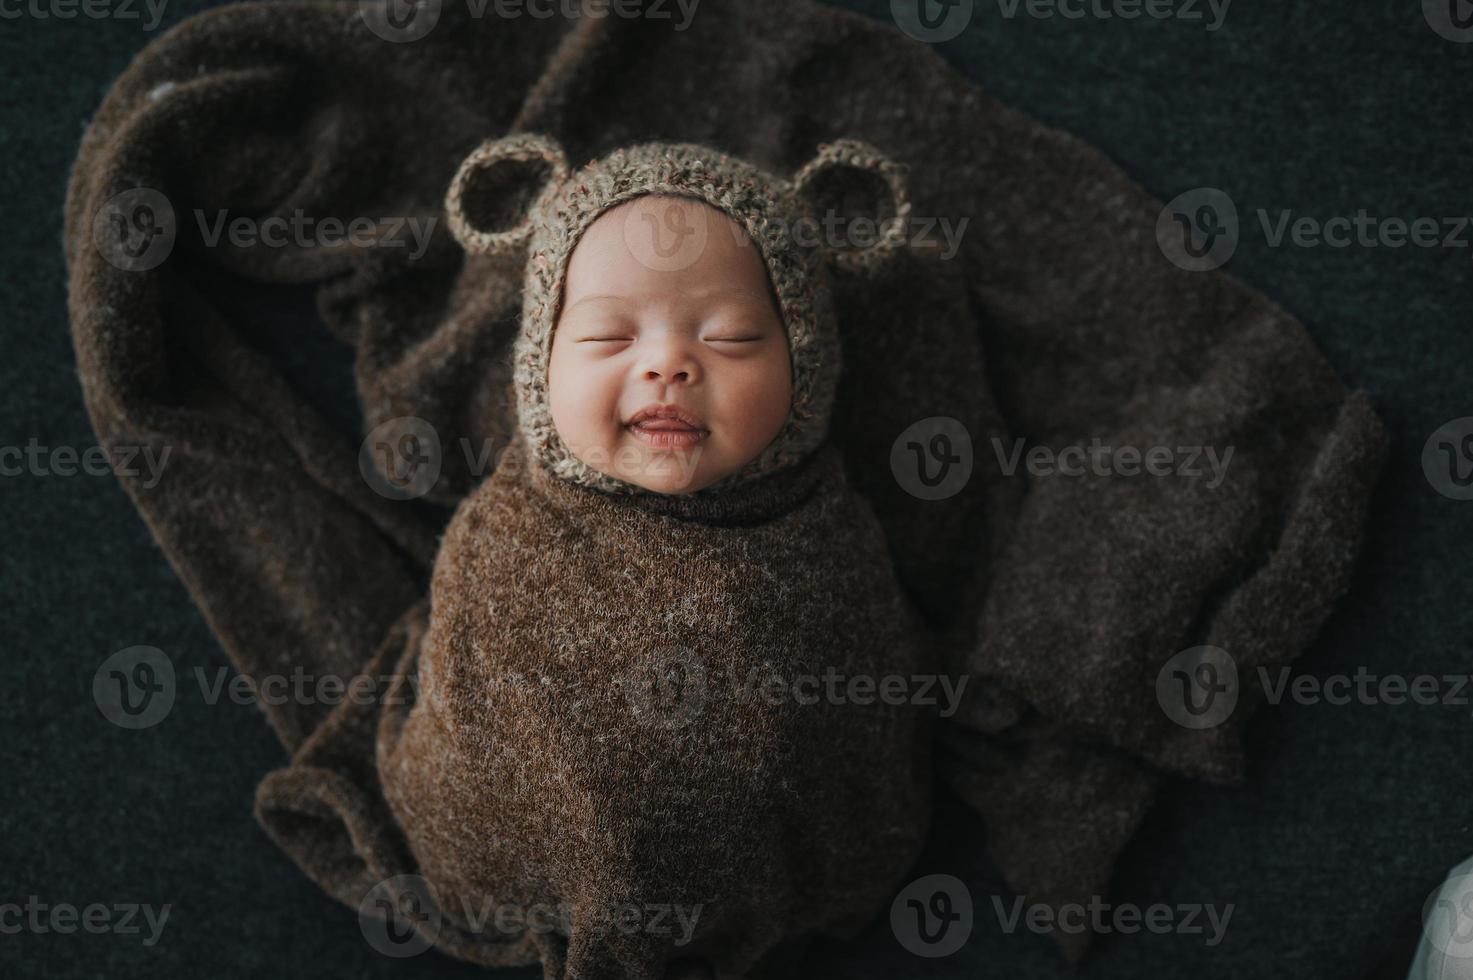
(1054, 320)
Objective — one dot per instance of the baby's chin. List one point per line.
(669, 471)
(661, 470)
(669, 487)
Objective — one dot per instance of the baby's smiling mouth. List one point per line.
(667, 427)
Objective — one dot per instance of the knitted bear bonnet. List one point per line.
(517, 193)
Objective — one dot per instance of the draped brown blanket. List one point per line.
(1057, 321)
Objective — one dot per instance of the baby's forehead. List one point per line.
(670, 214)
(659, 246)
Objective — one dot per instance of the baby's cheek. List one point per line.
(582, 400)
(761, 397)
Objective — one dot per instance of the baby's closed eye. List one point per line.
(733, 339)
(740, 330)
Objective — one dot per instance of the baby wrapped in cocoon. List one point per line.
(615, 712)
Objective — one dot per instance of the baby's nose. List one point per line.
(654, 374)
(670, 361)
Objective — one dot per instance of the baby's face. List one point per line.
(669, 366)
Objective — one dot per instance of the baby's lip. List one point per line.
(666, 417)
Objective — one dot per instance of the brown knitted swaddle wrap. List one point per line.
(596, 726)
(621, 702)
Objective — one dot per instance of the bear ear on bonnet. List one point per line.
(499, 185)
(865, 193)
(857, 194)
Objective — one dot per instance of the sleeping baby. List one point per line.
(618, 711)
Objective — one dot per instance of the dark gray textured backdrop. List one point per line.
(1353, 812)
